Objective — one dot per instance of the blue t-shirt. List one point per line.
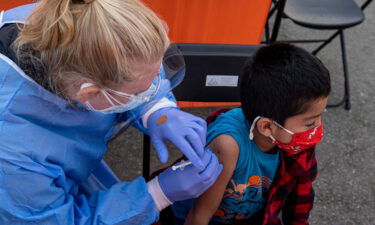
(247, 189)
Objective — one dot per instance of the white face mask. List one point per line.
(134, 100)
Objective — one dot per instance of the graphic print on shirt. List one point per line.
(241, 201)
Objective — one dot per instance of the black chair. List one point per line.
(323, 15)
(212, 75)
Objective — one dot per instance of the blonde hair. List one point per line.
(99, 40)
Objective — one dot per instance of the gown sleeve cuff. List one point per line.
(163, 103)
(161, 201)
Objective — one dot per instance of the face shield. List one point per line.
(171, 74)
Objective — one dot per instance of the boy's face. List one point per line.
(302, 122)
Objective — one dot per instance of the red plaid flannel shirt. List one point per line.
(292, 193)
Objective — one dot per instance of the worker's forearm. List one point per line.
(161, 201)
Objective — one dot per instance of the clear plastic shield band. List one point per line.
(171, 73)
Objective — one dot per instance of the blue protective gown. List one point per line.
(51, 168)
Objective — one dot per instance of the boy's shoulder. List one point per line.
(230, 130)
(233, 118)
(231, 123)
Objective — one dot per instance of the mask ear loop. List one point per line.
(272, 138)
(288, 131)
(114, 99)
(107, 97)
(251, 135)
(87, 103)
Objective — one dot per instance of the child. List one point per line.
(266, 146)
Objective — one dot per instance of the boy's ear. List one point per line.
(85, 94)
(265, 126)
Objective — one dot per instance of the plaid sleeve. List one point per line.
(300, 200)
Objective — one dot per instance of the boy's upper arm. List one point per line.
(227, 150)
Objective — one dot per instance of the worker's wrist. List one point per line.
(163, 103)
(161, 201)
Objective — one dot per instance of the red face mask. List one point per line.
(300, 141)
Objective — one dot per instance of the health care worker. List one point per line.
(71, 76)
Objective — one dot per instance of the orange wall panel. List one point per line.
(204, 21)
(213, 21)
(9, 4)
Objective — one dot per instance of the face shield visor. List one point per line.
(171, 74)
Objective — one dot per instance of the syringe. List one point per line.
(181, 165)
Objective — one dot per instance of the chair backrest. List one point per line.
(213, 72)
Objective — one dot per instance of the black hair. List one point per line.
(281, 81)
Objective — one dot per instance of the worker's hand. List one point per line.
(184, 130)
(190, 182)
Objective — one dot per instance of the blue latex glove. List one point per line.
(190, 182)
(185, 131)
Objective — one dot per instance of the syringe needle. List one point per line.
(183, 164)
